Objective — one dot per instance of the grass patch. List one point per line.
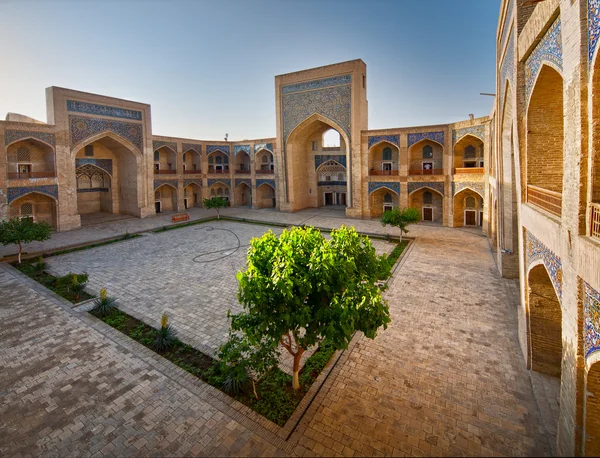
(396, 253)
(277, 400)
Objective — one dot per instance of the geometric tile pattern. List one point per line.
(159, 183)
(238, 148)
(549, 51)
(536, 250)
(157, 144)
(436, 186)
(593, 28)
(507, 21)
(474, 186)
(11, 136)
(374, 186)
(212, 148)
(92, 189)
(104, 164)
(262, 181)
(317, 84)
(189, 146)
(267, 146)
(82, 128)
(476, 131)
(192, 180)
(321, 159)
(103, 110)
(434, 136)
(394, 139)
(225, 181)
(591, 319)
(239, 181)
(49, 190)
(331, 183)
(507, 69)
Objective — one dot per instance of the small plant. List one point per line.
(18, 231)
(39, 267)
(235, 379)
(104, 304)
(400, 219)
(74, 284)
(165, 336)
(217, 203)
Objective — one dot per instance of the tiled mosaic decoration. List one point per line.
(267, 146)
(548, 50)
(331, 183)
(11, 136)
(507, 70)
(262, 181)
(593, 27)
(535, 251)
(190, 181)
(591, 319)
(104, 164)
(317, 84)
(239, 181)
(212, 148)
(476, 131)
(92, 189)
(393, 139)
(458, 186)
(225, 181)
(238, 148)
(189, 146)
(103, 110)
(48, 190)
(157, 144)
(159, 183)
(374, 186)
(415, 185)
(321, 159)
(434, 136)
(82, 128)
(507, 21)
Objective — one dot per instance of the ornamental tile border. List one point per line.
(104, 164)
(591, 319)
(548, 50)
(332, 183)
(316, 84)
(238, 148)
(507, 22)
(239, 181)
(476, 131)
(321, 159)
(188, 146)
(225, 181)
(92, 190)
(103, 110)
(593, 28)
(212, 148)
(375, 185)
(267, 146)
(507, 69)
(48, 190)
(159, 183)
(192, 180)
(11, 136)
(434, 136)
(436, 186)
(394, 139)
(261, 181)
(82, 128)
(536, 250)
(157, 144)
(458, 186)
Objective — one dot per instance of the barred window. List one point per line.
(184, 156)
(387, 154)
(265, 159)
(427, 151)
(23, 154)
(219, 160)
(211, 160)
(470, 202)
(156, 155)
(157, 194)
(470, 152)
(89, 151)
(387, 198)
(27, 209)
(427, 197)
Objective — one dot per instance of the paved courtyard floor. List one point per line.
(446, 378)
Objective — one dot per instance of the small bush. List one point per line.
(104, 304)
(74, 284)
(39, 267)
(165, 336)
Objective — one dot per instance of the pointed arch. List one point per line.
(424, 140)
(426, 187)
(106, 134)
(100, 169)
(387, 188)
(392, 145)
(40, 191)
(33, 140)
(470, 189)
(308, 121)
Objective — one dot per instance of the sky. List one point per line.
(208, 67)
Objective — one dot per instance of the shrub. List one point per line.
(104, 304)
(165, 336)
(74, 284)
(39, 267)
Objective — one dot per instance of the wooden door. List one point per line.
(427, 214)
(470, 218)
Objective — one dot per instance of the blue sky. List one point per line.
(208, 67)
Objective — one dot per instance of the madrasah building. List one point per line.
(528, 174)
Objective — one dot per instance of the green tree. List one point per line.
(217, 203)
(300, 288)
(401, 219)
(17, 231)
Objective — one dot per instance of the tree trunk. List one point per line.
(20, 249)
(218, 215)
(401, 233)
(297, 357)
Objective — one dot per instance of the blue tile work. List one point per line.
(104, 164)
(159, 183)
(156, 144)
(507, 22)
(394, 139)
(189, 146)
(507, 70)
(192, 180)
(262, 181)
(536, 250)
(476, 131)
(267, 146)
(593, 27)
(212, 148)
(374, 186)
(321, 159)
(103, 110)
(317, 84)
(239, 181)
(436, 186)
(591, 319)
(49, 190)
(435, 136)
(225, 181)
(333, 103)
(238, 148)
(332, 183)
(92, 190)
(83, 128)
(458, 186)
(11, 136)
(548, 50)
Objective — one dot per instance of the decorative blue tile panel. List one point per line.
(476, 131)
(261, 181)
(189, 146)
(548, 50)
(331, 183)
(239, 181)
(394, 139)
(434, 136)
(436, 186)
(507, 21)
(103, 110)
(48, 190)
(92, 190)
(375, 185)
(104, 164)
(83, 128)
(321, 159)
(11, 136)
(159, 183)
(536, 250)
(591, 319)
(593, 27)
(192, 180)
(316, 84)
(212, 148)
(225, 181)
(157, 144)
(458, 186)
(238, 148)
(507, 70)
(333, 103)
(267, 146)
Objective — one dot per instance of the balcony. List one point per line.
(190, 172)
(384, 173)
(265, 172)
(219, 171)
(470, 170)
(426, 172)
(595, 217)
(242, 171)
(27, 175)
(550, 201)
(165, 172)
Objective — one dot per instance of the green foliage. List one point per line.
(165, 336)
(215, 202)
(104, 304)
(17, 231)
(73, 284)
(39, 267)
(401, 219)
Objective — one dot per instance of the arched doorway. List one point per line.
(430, 202)
(426, 158)
(192, 162)
(243, 195)
(192, 196)
(219, 190)
(382, 200)
(242, 162)
(384, 159)
(264, 162)
(265, 196)
(592, 411)
(332, 189)
(218, 162)
(30, 158)
(165, 198)
(165, 161)
(36, 206)
(468, 154)
(468, 208)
